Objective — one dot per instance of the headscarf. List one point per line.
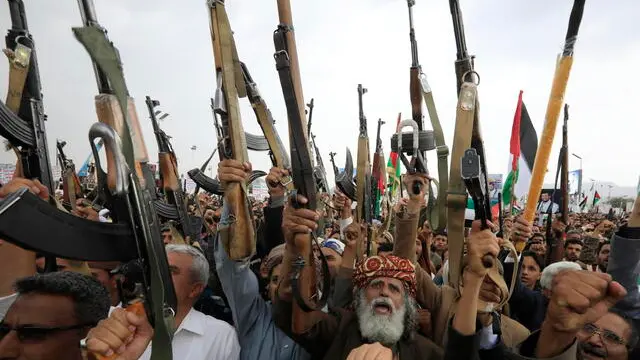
(335, 245)
(385, 266)
(274, 258)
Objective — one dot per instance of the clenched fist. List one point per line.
(581, 297)
(274, 181)
(479, 244)
(230, 170)
(298, 221)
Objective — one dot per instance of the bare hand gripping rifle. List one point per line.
(231, 86)
(135, 233)
(175, 207)
(303, 279)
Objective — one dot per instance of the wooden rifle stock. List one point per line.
(363, 178)
(231, 85)
(415, 92)
(304, 271)
(168, 173)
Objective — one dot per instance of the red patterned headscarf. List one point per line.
(385, 266)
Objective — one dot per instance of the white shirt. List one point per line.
(5, 304)
(202, 337)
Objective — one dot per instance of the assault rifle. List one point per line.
(363, 178)
(303, 280)
(135, 233)
(379, 179)
(197, 175)
(72, 189)
(277, 151)
(564, 176)
(468, 165)
(419, 89)
(22, 118)
(333, 164)
(175, 207)
(231, 86)
(319, 172)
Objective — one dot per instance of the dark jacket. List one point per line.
(338, 333)
(527, 306)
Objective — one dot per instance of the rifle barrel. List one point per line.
(458, 29)
(412, 36)
(17, 13)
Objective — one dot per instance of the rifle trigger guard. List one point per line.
(472, 72)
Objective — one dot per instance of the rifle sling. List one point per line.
(18, 69)
(443, 158)
(61, 234)
(456, 191)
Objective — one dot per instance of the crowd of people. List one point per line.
(568, 290)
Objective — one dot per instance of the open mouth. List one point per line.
(382, 309)
(593, 353)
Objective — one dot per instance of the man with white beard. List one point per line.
(385, 305)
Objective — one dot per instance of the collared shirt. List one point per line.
(5, 304)
(259, 336)
(202, 337)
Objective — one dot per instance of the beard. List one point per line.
(386, 329)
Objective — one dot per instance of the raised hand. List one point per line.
(373, 351)
(274, 181)
(35, 186)
(123, 333)
(296, 221)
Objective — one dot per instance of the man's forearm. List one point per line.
(551, 342)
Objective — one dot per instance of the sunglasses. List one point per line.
(27, 333)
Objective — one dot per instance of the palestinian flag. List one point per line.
(583, 203)
(596, 198)
(523, 148)
(393, 168)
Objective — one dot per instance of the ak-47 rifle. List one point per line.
(333, 164)
(230, 87)
(277, 151)
(378, 172)
(70, 181)
(135, 233)
(22, 118)
(310, 105)
(363, 178)
(303, 280)
(468, 165)
(564, 176)
(170, 180)
(419, 90)
(197, 175)
(319, 172)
